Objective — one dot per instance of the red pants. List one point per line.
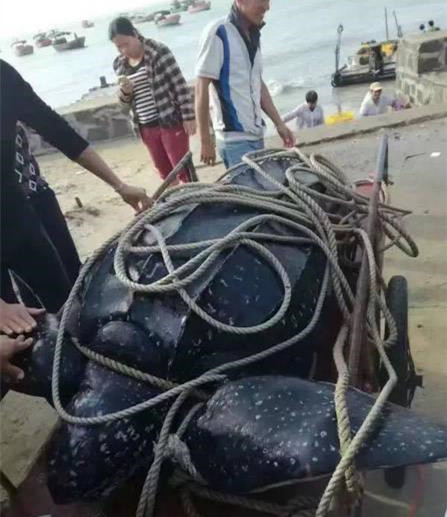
(167, 146)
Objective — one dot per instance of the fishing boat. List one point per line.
(42, 40)
(166, 18)
(143, 18)
(68, 41)
(374, 61)
(22, 48)
(86, 24)
(199, 6)
(180, 7)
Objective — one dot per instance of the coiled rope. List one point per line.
(294, 207)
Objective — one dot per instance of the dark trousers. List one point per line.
(46, 260)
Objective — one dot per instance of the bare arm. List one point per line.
(90, 160)
(291, 115)
(208, 152)
(269, 108)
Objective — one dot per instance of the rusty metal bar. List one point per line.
(358, 333)
(172, 176)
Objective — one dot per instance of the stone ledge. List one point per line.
(366, 125)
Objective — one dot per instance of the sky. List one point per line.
(24, 16)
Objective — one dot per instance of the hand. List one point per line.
(286, 134)
(126, 85)
(208, 153)
(8, 348)
(136, 197)
(15, 318)
(190, 127)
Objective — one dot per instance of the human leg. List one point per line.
(151, 137)
(176, 144)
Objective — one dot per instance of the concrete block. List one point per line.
(412, 62)
(431, 46)
(97, 133)
(428, 65)
(121, 127)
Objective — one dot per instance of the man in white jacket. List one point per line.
(308, 114)
(375, 102)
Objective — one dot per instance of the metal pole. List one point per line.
(398, 27)
(337, 48)
(386, 24)
(358, 333)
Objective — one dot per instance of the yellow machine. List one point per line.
(338, 118)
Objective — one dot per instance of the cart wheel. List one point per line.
(395, 478)
(400, 357)
(358, 510)
(400, 353)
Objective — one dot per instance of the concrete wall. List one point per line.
(94, 119)
(422, 67)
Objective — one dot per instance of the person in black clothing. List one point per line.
(25, 246)
(45, 204)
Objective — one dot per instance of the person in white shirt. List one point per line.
(375, 103)
(229, 70)
(308, 114)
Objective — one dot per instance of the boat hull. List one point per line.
(206, 6)
(70, 45)
(24, 50)
(173, 19)
(346, 78)
(43, 43)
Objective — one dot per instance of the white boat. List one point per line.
(164, 20)
(199, 6)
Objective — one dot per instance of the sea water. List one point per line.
(298, 43)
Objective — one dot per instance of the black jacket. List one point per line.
(18, 102)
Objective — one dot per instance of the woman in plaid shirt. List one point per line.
(152, 86)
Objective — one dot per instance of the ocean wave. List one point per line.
(279, 88)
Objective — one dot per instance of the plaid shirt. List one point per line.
(173, 97)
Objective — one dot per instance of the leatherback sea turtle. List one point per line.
(264, 422)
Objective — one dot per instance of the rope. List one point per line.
(296, 208)
(341, 409)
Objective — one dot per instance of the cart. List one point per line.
(32, 498)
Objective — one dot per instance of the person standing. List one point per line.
(25, 246)
(309, 114)
(432, 27)
(45, 204)
(230, 65)
(46, 207)
(152, 86)
(375, 103)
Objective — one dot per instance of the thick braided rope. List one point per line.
(341, 408)
(306, 211)
(146, 504)
(368, 425)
